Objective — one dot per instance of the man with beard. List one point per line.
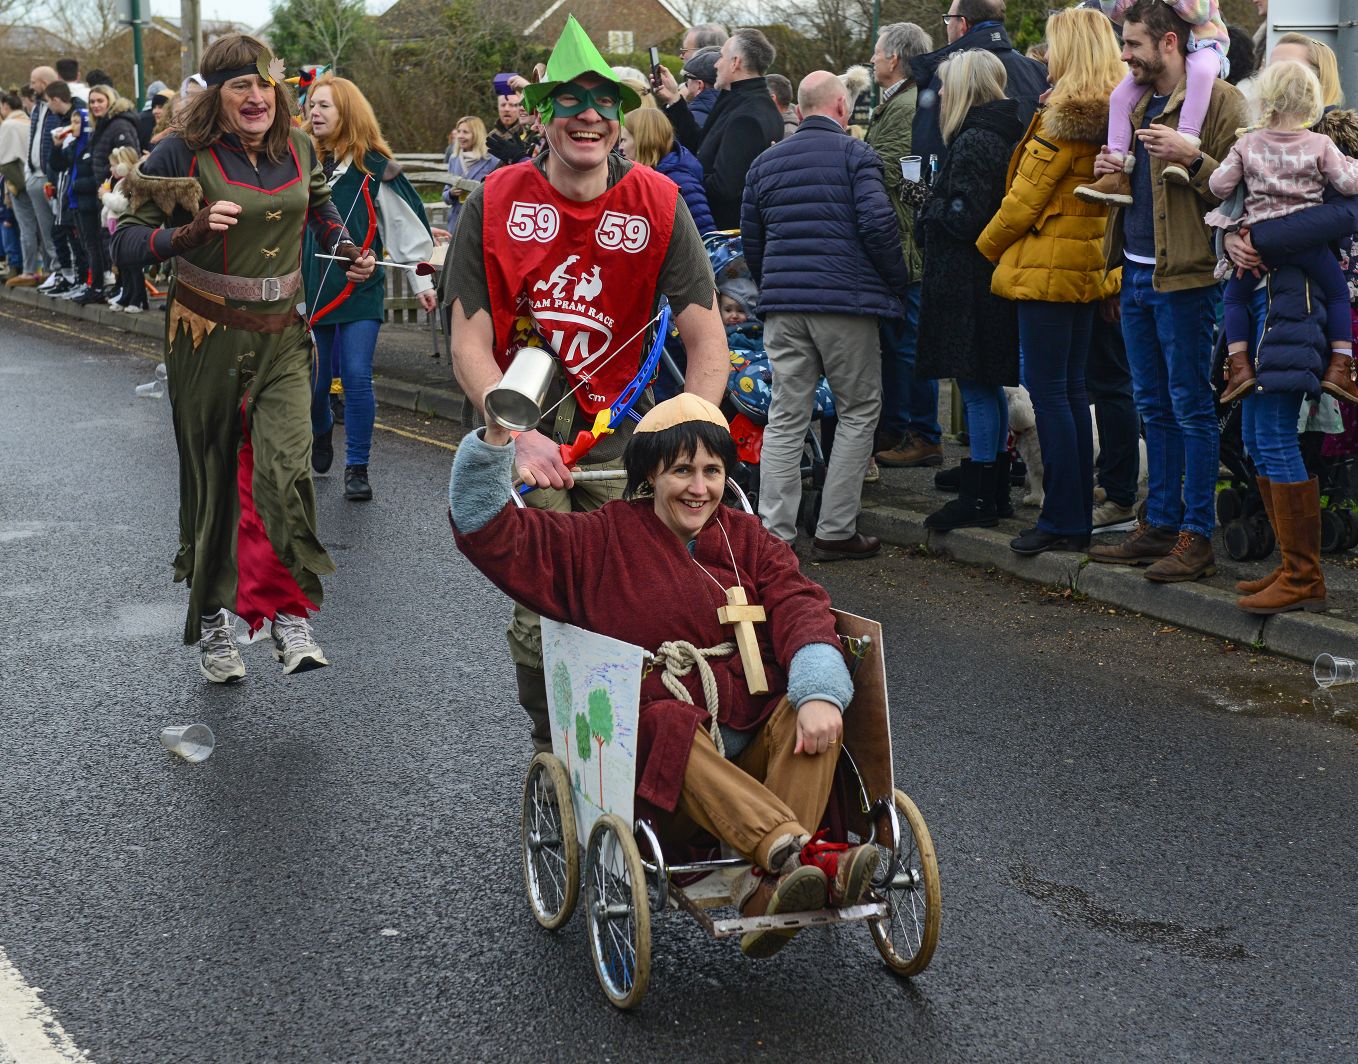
(511, 139)
(1169, 297)
(576, 249)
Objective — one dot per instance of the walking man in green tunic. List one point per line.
(228, 196)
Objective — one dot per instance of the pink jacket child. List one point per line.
(1208, 44)
(1285, 168)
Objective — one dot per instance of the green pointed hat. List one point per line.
(574, 54)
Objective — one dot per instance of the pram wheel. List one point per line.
(808, 513)
(1350, 520)
(908, 882)
(618, 912)
(551, 854)
(1248, 538)
(1333, 531)
(1229, 506)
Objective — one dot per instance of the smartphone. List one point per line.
(655, 67)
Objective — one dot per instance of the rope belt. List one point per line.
(679, 658)
(246, 289)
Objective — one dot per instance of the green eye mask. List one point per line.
(571, 99)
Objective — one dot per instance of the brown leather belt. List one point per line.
(246, 320)
(246, 289)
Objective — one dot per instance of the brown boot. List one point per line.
(1338, 379)
(1296, 516)
(802, 890)
(1191, 558)
(1145, 545)
(911, 451)
(1239, 376)
(1115, 188)
(1249, 587)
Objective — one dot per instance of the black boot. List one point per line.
(951, 479)
(533, 698)
(322, 450)
(974, 507)
(356, 486)
(1003, 506)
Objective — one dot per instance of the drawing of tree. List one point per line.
(601, 724)
(582, 737)
(561, 688)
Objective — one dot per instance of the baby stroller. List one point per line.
(749, 388)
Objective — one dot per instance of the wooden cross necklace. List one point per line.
(742, 617)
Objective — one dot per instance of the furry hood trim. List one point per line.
(857, 80)
(167, 193)
(1341, 126)
(1083, 120)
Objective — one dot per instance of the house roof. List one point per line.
(414, 19)
(33, 39)
(556, 5)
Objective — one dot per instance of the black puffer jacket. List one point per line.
(964, 330)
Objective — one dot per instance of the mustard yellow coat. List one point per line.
(1046, 243)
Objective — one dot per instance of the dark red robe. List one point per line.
(620, 572)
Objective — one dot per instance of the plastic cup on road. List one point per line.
(156, 388)
(1331, 671)
(910, 167)
(192, 742)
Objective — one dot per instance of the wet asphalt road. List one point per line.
(1146, 837)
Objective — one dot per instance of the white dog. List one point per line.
(1023, 426)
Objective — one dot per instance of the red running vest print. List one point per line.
(583, 275)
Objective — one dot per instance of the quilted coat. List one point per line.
(1046, 243)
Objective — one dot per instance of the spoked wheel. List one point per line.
(551, 852)
(618, 912)
(907, 880)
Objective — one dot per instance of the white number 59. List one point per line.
(630, 232)
(533, 221)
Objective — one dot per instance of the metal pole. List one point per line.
(1346, 49)
(190, 38)
(138, 61)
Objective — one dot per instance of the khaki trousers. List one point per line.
(767, 792)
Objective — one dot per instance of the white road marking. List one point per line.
(29, 1033)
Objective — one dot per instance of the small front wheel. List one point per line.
(908, 934)
(618, 912)
(551, 851)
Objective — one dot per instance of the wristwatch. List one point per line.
(1194, 167)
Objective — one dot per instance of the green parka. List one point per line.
(889, 135)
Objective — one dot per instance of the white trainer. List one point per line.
(295, 645)
(1108, 516)
(220, 661)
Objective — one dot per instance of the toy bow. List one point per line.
(347, 290)
(623, 406)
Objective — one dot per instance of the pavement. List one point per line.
(407, 376)
(1145, 835)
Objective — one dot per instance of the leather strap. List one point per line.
(248, 289)
(245, 320)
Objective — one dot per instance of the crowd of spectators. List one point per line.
(961, 235)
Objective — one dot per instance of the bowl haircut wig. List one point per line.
(648, 453)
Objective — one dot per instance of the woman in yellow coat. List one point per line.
(1047, 245)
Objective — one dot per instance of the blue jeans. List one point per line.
(1268, 420)
(1169, 350)
(907, 402)
(351, 344)
(1055, 342)
(9, 230)
(987, 419)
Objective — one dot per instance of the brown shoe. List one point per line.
(24, 280)
(1239, 376)
(1114, 188)
(1191, 558)
(801, 890)
(912, 451)
(1146, 544)
(1249, 587)
(1339, 377)
(834, 550)
(1296, 521)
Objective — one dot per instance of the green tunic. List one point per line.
(241, 402)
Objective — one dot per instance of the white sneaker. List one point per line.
(131, 308)
(295, 645)
(1110, 517)
(220, 661)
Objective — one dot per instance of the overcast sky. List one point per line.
(250, 12)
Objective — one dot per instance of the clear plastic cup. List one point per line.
(156, 388)
(910, 167)
(1331, 671)
(192, 742)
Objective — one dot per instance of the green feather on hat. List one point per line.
(574, 54)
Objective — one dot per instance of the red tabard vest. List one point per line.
(583, 274)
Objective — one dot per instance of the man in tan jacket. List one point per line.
(1169, 298)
